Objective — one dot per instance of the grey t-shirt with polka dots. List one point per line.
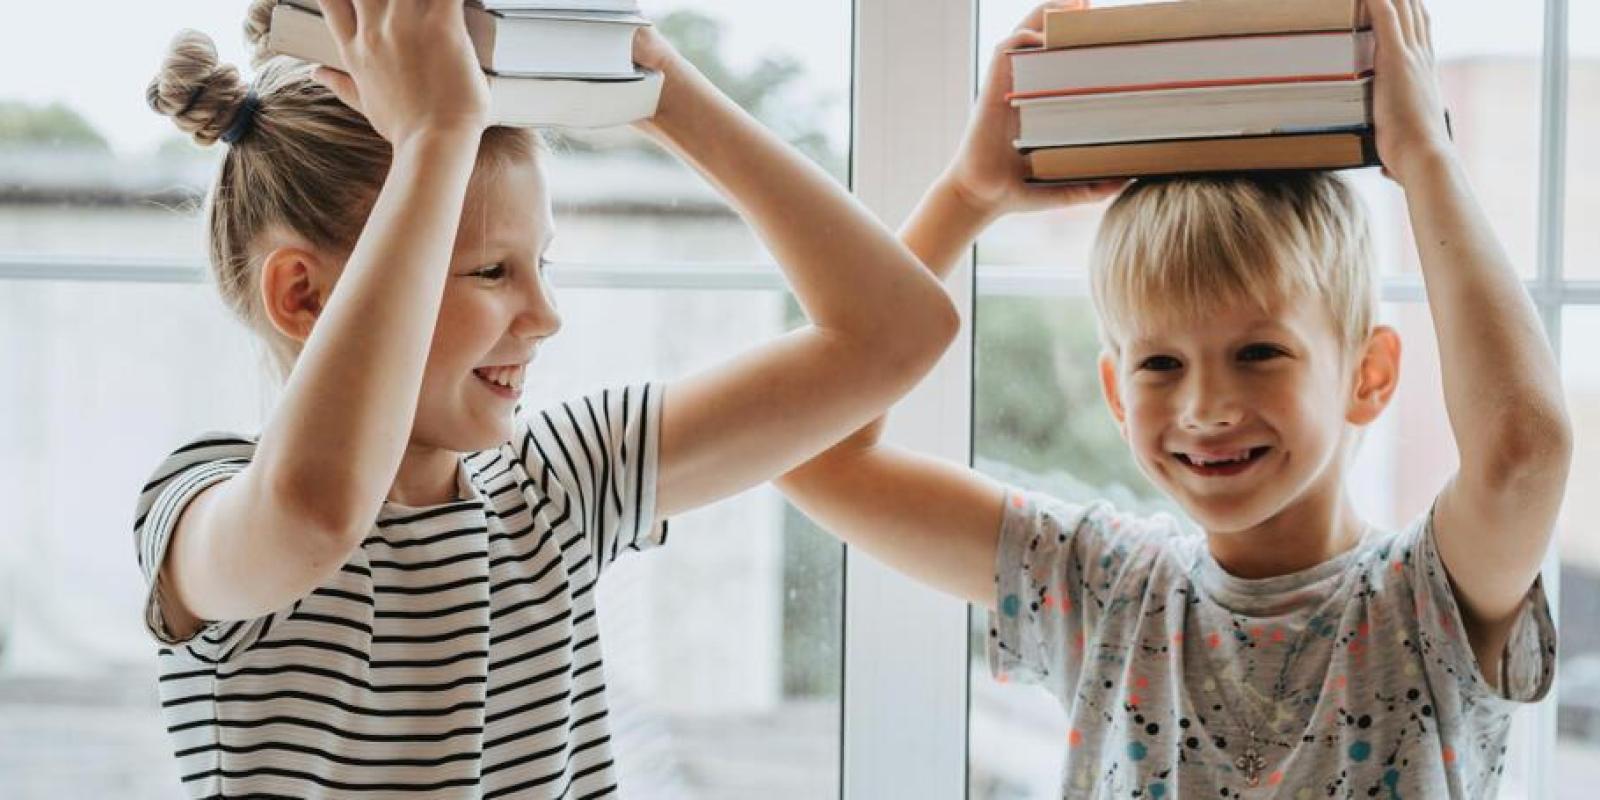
(1355, 675)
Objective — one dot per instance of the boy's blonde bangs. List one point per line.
(1192, 248)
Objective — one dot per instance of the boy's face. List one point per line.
(1241, 414)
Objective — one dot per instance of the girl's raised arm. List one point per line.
(879, 321)
(327, 458)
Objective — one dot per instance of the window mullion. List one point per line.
(905, 689)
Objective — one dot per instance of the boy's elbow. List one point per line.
(1532, 450)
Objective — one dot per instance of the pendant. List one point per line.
(1251, 764)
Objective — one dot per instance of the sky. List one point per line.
(103, 71)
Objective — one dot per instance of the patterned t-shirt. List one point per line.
(1355, 675)
(455, 655)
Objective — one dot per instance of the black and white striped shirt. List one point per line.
(456, 653)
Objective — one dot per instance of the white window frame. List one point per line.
(905, 703)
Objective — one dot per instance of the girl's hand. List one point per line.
(988, 173)
(1408, 115)
(411, 66)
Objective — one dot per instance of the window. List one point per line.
(811, 672)
(1040, 421)
(119, 351)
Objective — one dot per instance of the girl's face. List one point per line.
(1237, 416)
(497, 309)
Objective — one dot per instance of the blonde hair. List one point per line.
(1197, 245)
(306, 163)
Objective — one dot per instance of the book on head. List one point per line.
(1326, 150)
(525, 41)
(1342, 55)
(1195, 19)
(568, 88)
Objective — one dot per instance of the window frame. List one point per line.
(904, 724)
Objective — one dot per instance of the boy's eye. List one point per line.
(1159, 363)
(1260, 352)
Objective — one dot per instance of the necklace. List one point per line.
(1253, 761)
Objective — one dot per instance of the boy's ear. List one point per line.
(1377, 376)
(295, 284)
(1113, 391)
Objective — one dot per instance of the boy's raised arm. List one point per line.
(935, 521)
(1493, 520)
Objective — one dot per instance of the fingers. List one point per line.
(1426, 28)
(341, 84)
(1034, 21)
(1386, 20)
(1408, 24)
(341, 17)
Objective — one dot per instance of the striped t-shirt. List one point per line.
(455, 654)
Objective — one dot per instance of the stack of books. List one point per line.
(1195, 86)
(562, 63)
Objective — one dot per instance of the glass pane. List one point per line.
(1489, 70)
(1583, 128)
(1578, 721)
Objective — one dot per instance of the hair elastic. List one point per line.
(244, 120)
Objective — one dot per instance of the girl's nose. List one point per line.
(539, 319)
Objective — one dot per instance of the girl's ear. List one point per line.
(1112, 391)
(1376, 378)
(295, 284)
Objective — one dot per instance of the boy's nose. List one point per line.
(1210, 407)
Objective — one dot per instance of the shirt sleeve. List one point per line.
(186, 473)
(1528, 662)
(1058, 569)
(597, 456)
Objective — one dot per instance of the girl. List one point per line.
(391, 588)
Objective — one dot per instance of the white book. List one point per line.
(1244, 110)
(528, 42)
(614, 6)
(553, 100)
(572, 103)
(1192, 62)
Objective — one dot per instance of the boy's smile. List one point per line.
(1242, 417)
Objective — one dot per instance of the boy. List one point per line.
(1289, 651)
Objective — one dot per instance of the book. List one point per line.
(546, 43)
(1330, 150)
(572, 103)
(1196, 19)
(1227, 60)
(512, 6)
(1207, 112)
(555, 99)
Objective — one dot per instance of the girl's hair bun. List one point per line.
(201, 95)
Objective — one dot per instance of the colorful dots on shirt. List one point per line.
(1137, 751)
(1158, 789)
(1361, 751)
(1449, 754)
(1074, 738)
(1011, 605)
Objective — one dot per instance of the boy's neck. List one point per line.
(1298, 538)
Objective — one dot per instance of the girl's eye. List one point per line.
(1159, 363)
(493, 272)
(1260, 352)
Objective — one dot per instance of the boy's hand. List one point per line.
(988, 173)
(1408, 115)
